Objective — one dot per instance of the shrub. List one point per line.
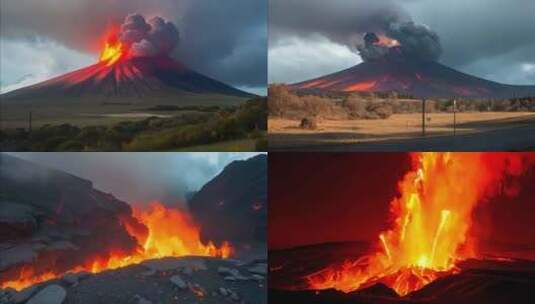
(310, 123)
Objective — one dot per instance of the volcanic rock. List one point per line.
(232, 206)
(179, 282)
(378, 289)
(52, 294)
(142, 300)
(259, 269)
(67, 219)
(23, 295)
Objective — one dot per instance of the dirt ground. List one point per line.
(286, 132)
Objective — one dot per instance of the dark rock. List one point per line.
(232, 206)
(52, 294)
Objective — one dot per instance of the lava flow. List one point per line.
(112, 50)
(159, 232)
(431, 221)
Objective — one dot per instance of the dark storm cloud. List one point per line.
(157, 37)
(346, 22)
(140, 177)
(489, 38)
(342, 21)
(225, 40)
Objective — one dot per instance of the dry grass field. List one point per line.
(287, 133)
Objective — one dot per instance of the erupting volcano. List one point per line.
(431, 224)
(392, 66)
(431, 246)
(61, 235)
(135, 62)
(159, 232)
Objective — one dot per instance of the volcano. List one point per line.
(132, 77)
(412, 76)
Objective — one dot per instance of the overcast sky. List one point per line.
(141, 177)
(39, 39)
(493, 39)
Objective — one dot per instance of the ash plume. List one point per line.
(353, 21)
(157, 37)
(415, 40)
(234, 52)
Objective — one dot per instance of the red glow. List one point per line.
(361, 86)
(387, 41)
(431, 221)
(111, 49)
(159, 232)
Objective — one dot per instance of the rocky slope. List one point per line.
(184, 280)
(233, 205)
(138, 77)
(52, 220)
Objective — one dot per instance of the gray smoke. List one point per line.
(371, 49)
(415, 40)
(140, 177)
(347, 22)
(157, 37)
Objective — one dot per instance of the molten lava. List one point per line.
(111, 48)
(431, 221)
(111, 53)
(159, 232)
(387, 41)
(361, 86)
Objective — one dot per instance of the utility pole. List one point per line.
(454, 117)
(423, 117)
(30, 122)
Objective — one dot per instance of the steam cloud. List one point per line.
(157, 37)
(416, 40)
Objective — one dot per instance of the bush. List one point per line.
(310, 123)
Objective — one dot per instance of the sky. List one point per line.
(40, 39)
(492, 39)
(140, 178)
(318, 198)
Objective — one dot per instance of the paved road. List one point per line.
(507, 139)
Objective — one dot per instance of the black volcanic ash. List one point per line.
(152, 38)
(415, 40)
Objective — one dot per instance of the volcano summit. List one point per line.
(134, 64)
(395, 65)
(133, 77)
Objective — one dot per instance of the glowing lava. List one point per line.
(387, 41)
(361, 86)
(111, 53)
(159, 232)
(431, 219)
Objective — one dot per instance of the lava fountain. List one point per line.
(430, 222)
(159, 232)
(112, 49)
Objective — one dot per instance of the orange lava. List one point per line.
(111, 53)
(431, 219)
(387, 41)
(361, 86)
(159, 232)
